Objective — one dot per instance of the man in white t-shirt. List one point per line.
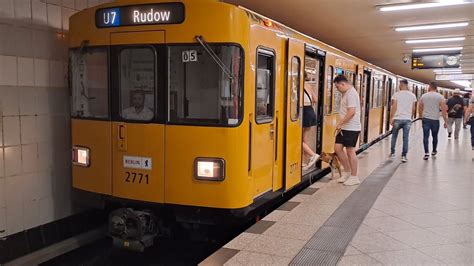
(348, 130)
(401, 113)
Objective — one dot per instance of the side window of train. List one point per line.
(137, 83)
(295, 87)
(337, 94)
(329, 92)
(265, 89)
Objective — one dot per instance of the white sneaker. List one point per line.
(352, 181)
(312, 160)
(392, 156)
(344, 177)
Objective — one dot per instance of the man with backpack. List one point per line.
(456, 108)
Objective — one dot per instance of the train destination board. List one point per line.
(435, 61)
(455, 77)
(153, 14)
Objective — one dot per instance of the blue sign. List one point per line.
(108, 17)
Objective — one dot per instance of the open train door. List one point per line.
(293, 114)
(365, 103)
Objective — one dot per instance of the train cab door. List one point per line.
(388, 104)
(293, 116)
(264, 128)
(138, 131)
(366, 87)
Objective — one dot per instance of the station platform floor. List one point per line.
(414, 213)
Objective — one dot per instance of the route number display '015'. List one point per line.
(153, 14)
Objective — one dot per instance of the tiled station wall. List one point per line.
(35, 180)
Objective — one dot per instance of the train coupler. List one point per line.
(132, 229)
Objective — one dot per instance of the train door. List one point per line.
(264, 131)
(365, 102)
(388, 104)
(384, 104)
(293, 120)
(314, 81)
(138, 137)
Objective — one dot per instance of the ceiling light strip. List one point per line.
(441, 49)
(436, 40)
(433, 26)
(421, 5)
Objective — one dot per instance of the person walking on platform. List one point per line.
(456, 108)
(430, 105)
(467, 99)
(469, 118)
(403, 107)
(348, 129)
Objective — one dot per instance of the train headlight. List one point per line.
(81, 156)
(211, 169)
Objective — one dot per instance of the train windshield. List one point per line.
(89, 83)
(200, 91)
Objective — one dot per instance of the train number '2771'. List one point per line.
(138, 178)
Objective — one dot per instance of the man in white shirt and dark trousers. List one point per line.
(430, 105)
(401, 113)
(348, 130)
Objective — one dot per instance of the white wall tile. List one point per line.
(2, 169)
(46, 158)
(23, 42)
(14, 190)
(68, 4)
(54, 16)
(67, 13)
(32, 186)
(45, 182)
(9, 101)
(29, 154)
(56, 2)
(92, 3)
(39, 12)
(12, 160)
(26, 75)
(11, 130)
(46, 210)
(8, 70)
(23, 10)
(28, 129)
(28, 100)
(41, 72)
(3, 221)
(81, 4)
(56, 74)
(43, 44)
(3, 201)
(31, 214)
(6, 9)
(14, 218)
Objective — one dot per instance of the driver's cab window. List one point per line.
(137, 83)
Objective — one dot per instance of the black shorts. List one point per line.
(309, 116)
(348, 138)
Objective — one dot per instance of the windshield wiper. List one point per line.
(213, 55)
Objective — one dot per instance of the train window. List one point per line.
(89, 83)
(337, 94)
(329, 79)
(201, 90)
(295, 73)
(137, 83)
(380, 94)
(264, 93)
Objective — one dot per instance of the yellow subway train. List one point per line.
(193, 110)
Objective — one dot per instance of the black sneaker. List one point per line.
(434, 153)
(426, 157)
(449, 135)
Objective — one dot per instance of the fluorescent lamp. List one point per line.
(436, 40)
(464, 83)
(442, 49)
(422, 5)
(433, 26)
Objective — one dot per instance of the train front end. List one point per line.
(157, 112)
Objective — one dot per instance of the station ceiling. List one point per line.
(360, 28)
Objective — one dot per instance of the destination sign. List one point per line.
(435, 61)
(152, 14)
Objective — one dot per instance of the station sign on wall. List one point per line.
(431, 61)
(150, 14)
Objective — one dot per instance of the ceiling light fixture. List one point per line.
(442, 49)
(433, 26)
(436, 40)
(441, 3)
